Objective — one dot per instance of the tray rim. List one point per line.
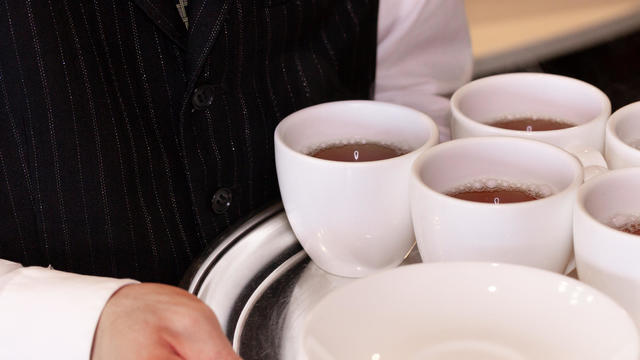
(259, 292)
(199, 269)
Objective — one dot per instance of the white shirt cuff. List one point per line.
(49, 314)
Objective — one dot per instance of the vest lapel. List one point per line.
(205, 21)
(165, 15)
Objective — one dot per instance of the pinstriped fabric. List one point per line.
(259, 102)
(20, 146)
(228, 169)
(269, 39)
(116, 136)
(172, 196)
(106, 168)
(249, 158)
(354, 18)
(164, 158)
(231, 131)
(46, 94)
(313, 52)
(106, 211)
(152, 117)
(196, 18)
(65, 71)
(283, 66)
(326, 43)
(217, 160)
(134, 152)
(232, 143)
(13, 213)
(7, 195)
(19, 142)
(214, 147)
(166, 16)
(119, 145)
(12, 204)
(199, 43)
(37, 202)
(301, 71)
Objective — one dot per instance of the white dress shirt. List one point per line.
(424, 54)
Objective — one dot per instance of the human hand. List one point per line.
(159, 322)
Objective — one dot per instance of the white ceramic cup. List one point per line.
(462, 311)
(622, 147)
(609, 259)
(534, 233)
(492, 98)
(352, 218)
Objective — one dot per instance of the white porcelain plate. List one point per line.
(468, 311)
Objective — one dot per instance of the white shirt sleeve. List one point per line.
(49, 314)
(424, 54)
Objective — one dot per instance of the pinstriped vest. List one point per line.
(118, 126)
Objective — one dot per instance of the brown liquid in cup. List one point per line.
(633, 228)
(496, 195)
(531, 124)
(358, 152)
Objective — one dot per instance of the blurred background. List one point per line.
(597, 41)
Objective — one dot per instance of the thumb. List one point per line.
(206, 341)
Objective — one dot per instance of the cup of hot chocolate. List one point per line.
(623, 137)
(343, 169)
(495, 199)
(555, 109)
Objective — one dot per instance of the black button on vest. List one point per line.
(221, 201)
(203, 96)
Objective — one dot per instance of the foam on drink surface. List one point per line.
(499, 191)
(628, 223)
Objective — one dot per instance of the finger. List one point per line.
(160, 355)
(203, 347)
(150, 347)
(205, 340)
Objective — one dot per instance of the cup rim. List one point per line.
(604, 114)
(428, 121)
(615, 118)
(587, 188)
(422, 158)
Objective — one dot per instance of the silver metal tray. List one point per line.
(260, 283)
